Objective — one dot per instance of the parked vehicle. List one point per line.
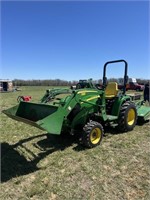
(132, 86)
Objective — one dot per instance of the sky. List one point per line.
(72, 40)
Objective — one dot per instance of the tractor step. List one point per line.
(111, 117)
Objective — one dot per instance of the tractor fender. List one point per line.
(118, 103)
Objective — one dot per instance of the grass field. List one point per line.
(59, 168)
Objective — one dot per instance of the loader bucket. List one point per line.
(46, 117)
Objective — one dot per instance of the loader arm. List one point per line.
(51, 117)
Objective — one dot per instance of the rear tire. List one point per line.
(128, 117)
(92, 134)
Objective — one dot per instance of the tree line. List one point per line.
(50, 82)
(59, 82)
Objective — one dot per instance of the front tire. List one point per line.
(92, 134)
(128, 117)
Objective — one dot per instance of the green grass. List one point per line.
(34, 167)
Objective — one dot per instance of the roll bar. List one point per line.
(125, 73)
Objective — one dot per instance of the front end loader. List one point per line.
(84, 111)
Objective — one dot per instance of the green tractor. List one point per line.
(84, 84)
(84, 111)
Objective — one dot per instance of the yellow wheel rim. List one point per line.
(131, 117)
(95, 135)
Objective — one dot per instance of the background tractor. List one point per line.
(85, 111)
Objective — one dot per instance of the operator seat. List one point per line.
(111, 90)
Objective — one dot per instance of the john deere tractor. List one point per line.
(85, 110)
